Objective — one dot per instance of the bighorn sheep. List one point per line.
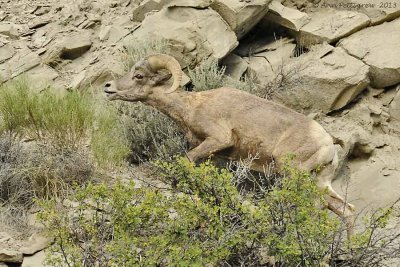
(233, 123)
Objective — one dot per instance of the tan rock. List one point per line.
(96, 74)
(75, 46)
(6, 52)
(378, 47)
(36, 243)
(3, 40)
(9, 29)
(394, 110)
(78, 80)
(117, 33)
(323, 83)
(235, 66)
(10, 256)
(185, 80)
(241, 16)
(148, 6)
(42, 76)
(378, 11)
(68, 48)
(36, 260)
(287, 17)
(251, 45)
(19, 64)
(267, 66)
(329, 25)
(195, 34)
(104, 33)
(145, 7)
(39, 22)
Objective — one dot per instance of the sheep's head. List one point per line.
(144, 76)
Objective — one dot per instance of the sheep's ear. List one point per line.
(161, 77)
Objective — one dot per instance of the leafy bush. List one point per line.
(202, 220)
(152, 135)
(65, 122)
(375, 245)
(301, 233)
(207, 75)
(109, 136)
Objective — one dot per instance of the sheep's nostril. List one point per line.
(107, 85)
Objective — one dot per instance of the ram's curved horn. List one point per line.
(162, 61)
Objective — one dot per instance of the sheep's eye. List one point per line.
(138, 76)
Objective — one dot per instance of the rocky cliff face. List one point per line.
(337, 62)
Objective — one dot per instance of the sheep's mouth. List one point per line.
(109, 92)
(111, 95)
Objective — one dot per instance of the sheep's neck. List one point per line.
(175, 105)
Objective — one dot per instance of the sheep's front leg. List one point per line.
(208, 147)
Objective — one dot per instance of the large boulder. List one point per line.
(329, 25)
(323, 81)
(194, 33)
(69, 47)
(11, 256)
(377, 10)
(147, 6)
(267, 66)
(75, 45)
(241, 16)
(36, 243)
(235, 66)
(287, 17)
(36, 260)
(371, 154)
(378, 47)
(23, 61)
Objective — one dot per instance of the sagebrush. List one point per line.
(204, 220)
(65, 122)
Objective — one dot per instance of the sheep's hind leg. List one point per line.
(335, 202)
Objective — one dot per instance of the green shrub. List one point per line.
(375, 245)
(14, 103)
(152, 134)
(109, 140)
(207, 75)
(65, 122)
(202, 220)
(301, 232)
(62, 120)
